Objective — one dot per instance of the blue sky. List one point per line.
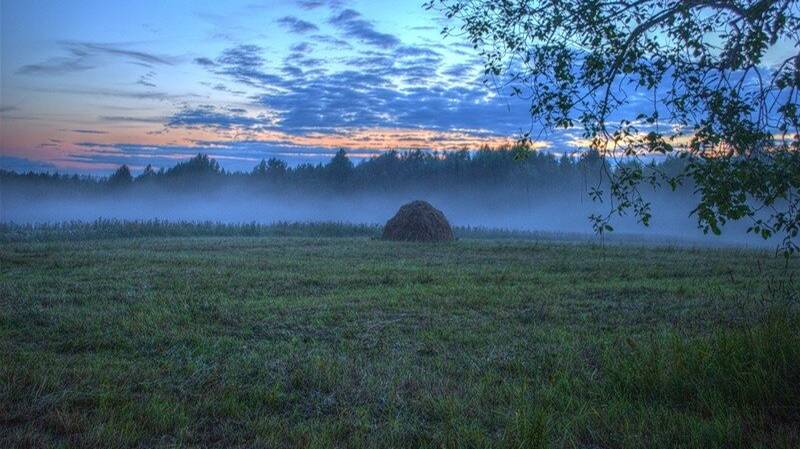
(89, 85)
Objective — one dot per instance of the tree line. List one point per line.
(511, 169)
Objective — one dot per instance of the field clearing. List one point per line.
(353, 342)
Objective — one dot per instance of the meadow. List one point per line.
(288, 336)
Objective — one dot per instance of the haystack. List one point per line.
(418, 221)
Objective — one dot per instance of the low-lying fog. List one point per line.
(566, 213)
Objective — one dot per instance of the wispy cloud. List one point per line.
(204, 62)
(244, 64)
(314, 4)
(242, 56)
(121, 51)
(296, 25)
(131, 119)
(301, 47)
(146, 80)
(331, 41)
(353, 25)
(206, 116)
(83, 56)
(88, 131)
(56, 66)
(460, 70)
(119, 93)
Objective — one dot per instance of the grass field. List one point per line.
(108, 229)
(353, 342)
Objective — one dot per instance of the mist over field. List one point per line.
(565, 212)
(488, 188)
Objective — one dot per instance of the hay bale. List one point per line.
(420, 222)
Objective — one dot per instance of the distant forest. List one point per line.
(506, 169)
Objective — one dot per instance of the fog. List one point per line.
(556, 213)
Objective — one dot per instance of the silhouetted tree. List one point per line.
(148, 174)
(339, 170)
(260, 169)
(276, 168)
(122, 177)
(721, 81)
(198, 165)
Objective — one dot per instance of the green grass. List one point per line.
(107, 229)
(354, 342)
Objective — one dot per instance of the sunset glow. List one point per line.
(90, 86)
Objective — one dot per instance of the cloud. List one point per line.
(376, 62)
(312, 62)
(147, 79)
(131, 119)
(253, 77)
(417, 65)
(352, 25)
(82, 56)
(88, 131)
(242, 56)
(411, 51)
(301, 47)
(399, 87)
(121, 51)
(292, 71)
(96, 145)
(55, 66)
(366, 99)
(331, 41)
(243, 63)
(296, 25)
(205, 62)
(459, 70)
(311, 4)
(221, 87)
(314, 4)
(117, 93)
(206, 116)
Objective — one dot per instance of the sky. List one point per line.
(90, 85)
